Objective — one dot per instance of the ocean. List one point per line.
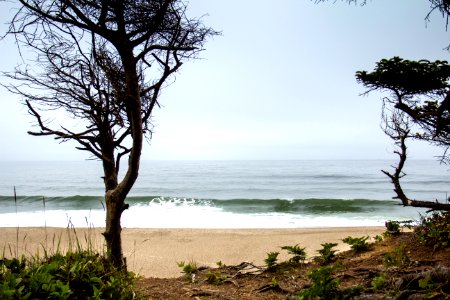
(219, 194)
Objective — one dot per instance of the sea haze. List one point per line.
(219, 194)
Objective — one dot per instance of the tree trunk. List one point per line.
(115, 205)
(116, 192)
(398, 174)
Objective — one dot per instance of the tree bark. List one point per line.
(116, 193)
(115, 205)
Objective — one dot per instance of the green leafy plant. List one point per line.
(75, 275)
(274, 283)
(324, 285)
(358, 244)
(271, 261)
(435, 230)
(188, 268)
(215, 278)
(298, 253)
(220, 264)
(327, 253)
(398, 257)
(426, 283)
(392, 227)
(378, 238)
(379, 282)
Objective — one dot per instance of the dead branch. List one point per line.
(397, 127)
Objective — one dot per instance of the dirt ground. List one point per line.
(408, 278)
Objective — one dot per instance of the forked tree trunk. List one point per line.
(116, 192)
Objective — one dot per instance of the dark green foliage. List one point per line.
(324, 285)
(271, 261)
(298, 253)
(419, 90)
(80, 275)
(392, 227)
(407, 77)
(358, 244)
(327, 253)
(214, 278)
(435, 230)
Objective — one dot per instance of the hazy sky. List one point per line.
(278, 84)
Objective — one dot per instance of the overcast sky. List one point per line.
(277, 84)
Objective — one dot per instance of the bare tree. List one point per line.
(103, 63)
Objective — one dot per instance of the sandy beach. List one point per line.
(155, 252)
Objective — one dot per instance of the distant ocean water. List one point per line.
(219, 194)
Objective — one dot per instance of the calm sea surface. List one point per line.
(219, 194)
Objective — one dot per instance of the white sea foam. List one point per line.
(221, 194)
(184, 216)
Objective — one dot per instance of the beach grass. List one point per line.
(65, 264)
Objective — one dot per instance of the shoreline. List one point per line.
(154, 252)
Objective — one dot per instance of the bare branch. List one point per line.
(92, 59)
(397, 127)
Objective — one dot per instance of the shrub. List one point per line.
(324, 285)
(358, 244)
(271, 260)
(392, 227)
(435, 230)
(378, 238)
(76, 275)
(214, 278)
(298, 253)
(188, 268)
(327, 253)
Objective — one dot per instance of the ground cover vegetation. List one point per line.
(405, 264)
(411, 262)
(73, 275)
(68, 267)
